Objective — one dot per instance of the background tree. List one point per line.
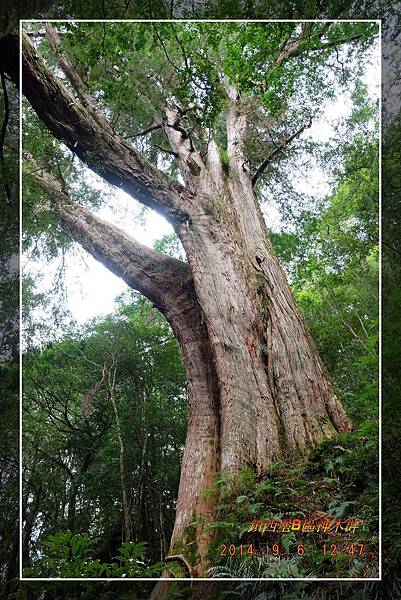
(78, 421)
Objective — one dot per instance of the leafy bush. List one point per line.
(71, 555)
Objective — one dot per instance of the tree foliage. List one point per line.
(284, 72)
(72, 434)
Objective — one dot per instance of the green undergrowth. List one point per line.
(339, 482)
(73, 555)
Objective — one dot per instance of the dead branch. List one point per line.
(277, 150)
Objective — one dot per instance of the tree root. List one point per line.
(179, 557)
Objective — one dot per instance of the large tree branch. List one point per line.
(168, 283)
(107, 154)
(277, 151)
(75, 80)
(162, 279)
(295, 48)
(189, 160)
(152, 127)
(236, 127)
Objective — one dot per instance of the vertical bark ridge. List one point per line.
(222, 292)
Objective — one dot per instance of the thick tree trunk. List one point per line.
(268, 369)
(274, 396)
(256, 386)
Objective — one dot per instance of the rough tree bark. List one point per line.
(256, 386)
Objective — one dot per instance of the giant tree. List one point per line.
(191, 120)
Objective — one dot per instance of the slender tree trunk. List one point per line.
(72, 506)
(140, 499)
(111, 373)
(28, 527)
(163, 541)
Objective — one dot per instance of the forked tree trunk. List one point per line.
(274, 398)
(256, 387)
